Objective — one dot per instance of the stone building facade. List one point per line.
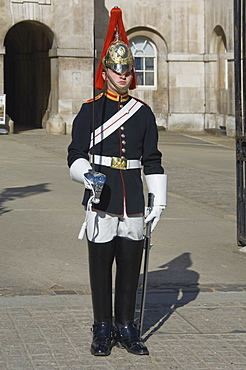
(184, 50)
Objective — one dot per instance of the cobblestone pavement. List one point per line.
(53, 333)
(194, 318)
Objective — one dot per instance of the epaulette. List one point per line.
(96, 98)
(141, 101)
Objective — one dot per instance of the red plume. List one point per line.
(115, 24)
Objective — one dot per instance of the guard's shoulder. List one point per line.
(96, 98)
(141, 101)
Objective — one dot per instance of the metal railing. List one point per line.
(240, 115)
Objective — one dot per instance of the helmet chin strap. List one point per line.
(121, 90)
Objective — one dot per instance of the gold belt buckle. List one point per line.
(119, 163)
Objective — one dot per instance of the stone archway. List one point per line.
(217, 81)
(222, 74)
(27, 73)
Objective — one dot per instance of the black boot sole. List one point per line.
(120, 345)
(100, 353)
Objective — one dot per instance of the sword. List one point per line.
(146, 265)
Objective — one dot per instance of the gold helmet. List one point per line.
(118, 58)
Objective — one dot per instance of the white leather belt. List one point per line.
(117, 163)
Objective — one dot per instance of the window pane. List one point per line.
(149, 49)
(149, 78)
(139, 63)
(138, 42)
(138, 53)
(140, 78)
(149, 64)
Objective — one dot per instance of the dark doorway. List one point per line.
(27, 73)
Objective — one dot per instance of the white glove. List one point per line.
(157, 184)
(78, 169)
(154, 216)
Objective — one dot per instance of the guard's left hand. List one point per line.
(154, 216)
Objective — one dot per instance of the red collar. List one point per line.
(116, 97)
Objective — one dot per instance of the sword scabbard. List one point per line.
(146, 265)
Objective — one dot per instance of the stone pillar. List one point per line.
(56, 125)
(54, 73)
(71, 82)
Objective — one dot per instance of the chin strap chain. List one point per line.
(119, 88)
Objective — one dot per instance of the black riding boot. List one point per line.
(101, 256)
(128, 261)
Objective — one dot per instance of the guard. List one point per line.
(119, 134)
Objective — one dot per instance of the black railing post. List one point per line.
(240, 115)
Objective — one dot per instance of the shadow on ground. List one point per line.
(169, 288)
(10, 194)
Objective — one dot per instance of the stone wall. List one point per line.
(192, 60)
(69, 28)
(193, 39)
(219, 65)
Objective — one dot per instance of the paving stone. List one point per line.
(65, 342)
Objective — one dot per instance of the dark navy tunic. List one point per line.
(135, 139)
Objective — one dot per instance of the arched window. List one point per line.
(144, 53)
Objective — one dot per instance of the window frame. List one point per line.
(154, 56)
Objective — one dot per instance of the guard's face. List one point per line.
(118, 82)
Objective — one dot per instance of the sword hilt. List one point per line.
(150, 200)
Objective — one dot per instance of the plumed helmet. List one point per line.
(116, 53)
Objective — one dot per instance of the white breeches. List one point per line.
(102, 227)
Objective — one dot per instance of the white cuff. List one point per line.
(157, 184)
(78, 168)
